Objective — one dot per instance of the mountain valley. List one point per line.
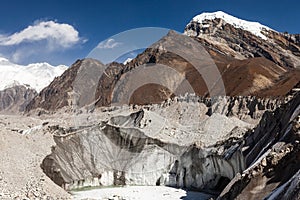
(213, 113)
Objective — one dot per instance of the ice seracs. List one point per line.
(36, 76)
(253, 27)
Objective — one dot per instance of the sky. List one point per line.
(62, 31)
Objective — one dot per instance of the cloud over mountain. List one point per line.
(64, 35)
(39, 41)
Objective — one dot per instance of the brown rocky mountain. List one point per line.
(15, 99)
(222, 36)
(253, 76)
(57, 92)
(62, 91)
(259, 76)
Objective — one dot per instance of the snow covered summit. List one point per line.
(253, 27)
(36, 76)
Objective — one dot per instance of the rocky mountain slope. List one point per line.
(241, 39)
(253, 76)
(23, 146)
(15, 99)
(270, 149)
(20, 84)
(61, 92)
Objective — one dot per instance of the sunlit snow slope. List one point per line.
(36, 76)
(253, 27)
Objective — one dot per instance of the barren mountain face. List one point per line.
(256, 75)
(15, 99)
(241, 39)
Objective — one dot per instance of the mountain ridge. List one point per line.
(254, 27)
(234, 38)
(256, 69)
(35, 75)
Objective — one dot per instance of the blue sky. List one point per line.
(92, 21)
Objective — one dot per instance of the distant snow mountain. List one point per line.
(253, 27)
(36, 76)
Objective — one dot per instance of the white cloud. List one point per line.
(108, 44)
(62, 35)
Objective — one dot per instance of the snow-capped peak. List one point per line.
(253, 27)
(36, 75)
(127, 61)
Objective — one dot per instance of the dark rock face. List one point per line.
(15, 99)
(79, 85)
(272, 156)
(282, 49)
(294, 38)
(56, 95)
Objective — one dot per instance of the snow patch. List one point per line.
(127, 61)
(253, 27)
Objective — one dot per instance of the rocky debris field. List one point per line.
(23, 146)
(221, 147)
